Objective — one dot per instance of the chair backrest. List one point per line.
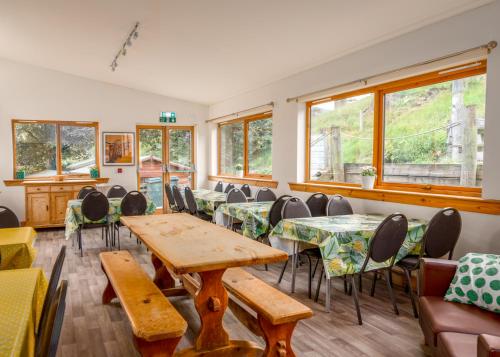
(236, 196)
(338, 206)
(442, 233)
(179, 201)
(229, 187)
(84, 191)
(275, 211)
(117, 191)
(95, 206)
(51, 289)
(265, 194)
(170, 196)
(246, 190)
(51, 330)
(134, 204)
(317, 204)
(295, 208)
(387, 239)
(190, 200)
(219, 187)
(8, 218)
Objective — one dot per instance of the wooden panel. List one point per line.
(58, 205)
(251, 181)
(37, 209)
(35, 189)
(61, 188)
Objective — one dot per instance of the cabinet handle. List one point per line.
(47, 207)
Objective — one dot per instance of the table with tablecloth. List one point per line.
(74, 213)
(16, 247)
(208, 200)
(22, 293)
(253, 215)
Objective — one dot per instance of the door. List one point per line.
(58, 204)
(181, 165)
(38, 209)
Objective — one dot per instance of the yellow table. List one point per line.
(22, 292)
(16, 248)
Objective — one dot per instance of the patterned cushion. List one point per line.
(477, 281)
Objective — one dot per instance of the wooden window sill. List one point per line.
(17, 182)
(249, 180)
(463, 203)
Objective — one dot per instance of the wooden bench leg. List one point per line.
(162, 348)
(109, 293)
(278, 338)
(163, 279)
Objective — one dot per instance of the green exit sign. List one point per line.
(168, 117)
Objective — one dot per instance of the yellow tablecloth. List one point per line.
(16, 248)
(22, 292)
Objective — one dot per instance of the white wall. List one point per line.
(28, 92)
(480, 232)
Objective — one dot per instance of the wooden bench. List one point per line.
(156, 324)
(277, 313)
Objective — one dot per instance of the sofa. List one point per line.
(449, 328)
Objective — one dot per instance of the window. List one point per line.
(45, 148)
(423, 133)
(245, 147)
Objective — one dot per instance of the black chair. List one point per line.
(338, 206)
(51, 289)
(179, 200)
(170, 198)
(265, 194)
(84, 191)
(51, 330)
(95, 207)
(193, 207)
(246, 190)
(219, 187)
(229, 187)
(235, 196)
(8, 218)
(116, 191)
(439, 239)
(317, 204)
(133, 204)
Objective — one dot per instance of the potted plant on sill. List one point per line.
(94, 172)
(368, 176)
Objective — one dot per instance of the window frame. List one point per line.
(379, 92)
(245, 121)
(58, 124)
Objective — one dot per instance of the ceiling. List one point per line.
(207, 50)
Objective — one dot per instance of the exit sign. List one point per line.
(168, 117)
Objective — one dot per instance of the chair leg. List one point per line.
(283, 271)
(315, 267)
(80, 245)
(360, 280)
(391, 293)
(345, 284)
(309, 283)
(412, 297)
(374, 282)
(118, 236)
(356, 301)
(319, 284)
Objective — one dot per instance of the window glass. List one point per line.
(77, 149)
(231, 149)
(36, 149)
(260, 136)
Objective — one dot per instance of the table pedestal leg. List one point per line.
(162, 279)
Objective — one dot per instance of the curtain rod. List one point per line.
(270, 104)
(488, 46)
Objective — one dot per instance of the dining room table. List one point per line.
(208, 200)
(342, 240)
(22, 293)
(16, 247)
(182, 245)
(253, 215)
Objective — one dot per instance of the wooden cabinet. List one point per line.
(38, 205)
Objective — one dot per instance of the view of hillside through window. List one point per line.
(260, 135)
(231, 149)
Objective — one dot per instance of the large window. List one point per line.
(423, 133)
(245, 147)
(48, 148)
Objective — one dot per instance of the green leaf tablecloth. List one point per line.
(208, 200)
(343, 240)
(74, 213)
(254, 215)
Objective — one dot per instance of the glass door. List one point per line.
(181, 163)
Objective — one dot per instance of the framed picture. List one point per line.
(118, 149)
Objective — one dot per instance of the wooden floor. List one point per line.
(91, 329)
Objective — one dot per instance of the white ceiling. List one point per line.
(205, 50)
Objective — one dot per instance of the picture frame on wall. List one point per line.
(118, 148)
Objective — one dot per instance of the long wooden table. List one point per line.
(182, 244)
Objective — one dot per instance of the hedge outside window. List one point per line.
(49, 148)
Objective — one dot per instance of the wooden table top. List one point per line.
(186, 244)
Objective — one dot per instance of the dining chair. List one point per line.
(317, 204)
(246, 190)
(179, 200)
(84, 191)
(50, 331)
(219, 187)
(95, 208)
(265, 195)
(193, 207)
(170, 198)
(133, 204)
(440, 239)
(116, 191)
(229, 187)
(8, 218)
(235, 196)
(338, 206)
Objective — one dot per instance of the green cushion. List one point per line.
(477, 281)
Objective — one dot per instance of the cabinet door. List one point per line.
(38, 209)
(58, 204)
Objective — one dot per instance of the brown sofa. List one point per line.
(453, 329)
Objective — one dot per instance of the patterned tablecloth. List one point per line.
(16, 247)
(74, 213)
(22, 292)
(343, 240)
(254, 216)
(208, 200)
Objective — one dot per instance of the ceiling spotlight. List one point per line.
(124, 51)
(134, 34)
(129, 42)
